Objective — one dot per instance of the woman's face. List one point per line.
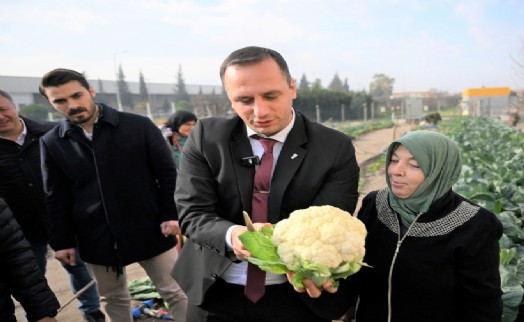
(404, 173)
(186, 128)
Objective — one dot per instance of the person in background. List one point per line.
(311, 165)
(20, 275)
(433, 254)
(181, 123)
(109, 179)
(513, 118)
(22, 188)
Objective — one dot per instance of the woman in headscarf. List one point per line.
(181, 123)
(434, 255)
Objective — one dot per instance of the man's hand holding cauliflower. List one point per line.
(314, 247)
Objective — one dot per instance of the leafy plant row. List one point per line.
(493, 177)
(362, 128)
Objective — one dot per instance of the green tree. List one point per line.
(123, 89)
(381, 88)
(346, 86)
(304, 84)
(336, 84)
(317, 85)
(37, 112)
(331, 104)
(181, 93)
(360, 100)
(183, 105)
(142, 88)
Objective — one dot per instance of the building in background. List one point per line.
(24, 91)
(488, 101)
(413, 106)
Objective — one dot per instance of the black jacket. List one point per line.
(111, 194)
(20, 275)
(447, 267)
(21, 181)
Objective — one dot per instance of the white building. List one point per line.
(24, 90)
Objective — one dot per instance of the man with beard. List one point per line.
(110, 179)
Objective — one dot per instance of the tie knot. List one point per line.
(267, 144)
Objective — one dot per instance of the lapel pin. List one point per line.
(294, 156)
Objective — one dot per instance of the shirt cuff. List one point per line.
(228, 237)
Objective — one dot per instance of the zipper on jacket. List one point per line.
(390, 277)
(102, 194)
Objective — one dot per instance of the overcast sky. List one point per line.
(447, 45)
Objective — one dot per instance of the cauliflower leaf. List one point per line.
(259, 244)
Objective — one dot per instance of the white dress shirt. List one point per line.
(237, 272)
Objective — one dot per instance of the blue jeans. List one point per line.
(78, 276)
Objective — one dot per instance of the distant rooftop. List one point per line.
(22, 85)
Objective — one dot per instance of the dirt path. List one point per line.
(367, 147)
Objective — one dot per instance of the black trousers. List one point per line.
(226, 302)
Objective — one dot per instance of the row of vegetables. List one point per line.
(493, 177)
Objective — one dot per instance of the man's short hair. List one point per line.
(6, 95)
(61, 76)
(252, 55)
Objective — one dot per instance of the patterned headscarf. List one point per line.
(439, 159)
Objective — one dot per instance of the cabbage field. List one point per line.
(493, 177)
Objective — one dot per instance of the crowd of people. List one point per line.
(105, 189)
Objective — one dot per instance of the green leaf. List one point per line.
(506, 255)
(511, 298)
(259, 244)
(273, 267)
(483, 196)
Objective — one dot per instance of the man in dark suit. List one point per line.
(312, 165)
(22, 188)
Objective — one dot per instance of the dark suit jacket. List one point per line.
(316, 166)
(21, 181)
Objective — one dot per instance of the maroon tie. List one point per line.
(256, 278)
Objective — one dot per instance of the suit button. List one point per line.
(214, 276)
(30, 184)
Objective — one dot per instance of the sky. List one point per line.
(448, 45)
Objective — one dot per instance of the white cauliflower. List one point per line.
(323, 235)
(321, 243)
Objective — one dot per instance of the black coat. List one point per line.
(21, 181)
(111, 194)
(20, 275)
(447, 267)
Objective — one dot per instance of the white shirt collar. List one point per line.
(21, 138)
